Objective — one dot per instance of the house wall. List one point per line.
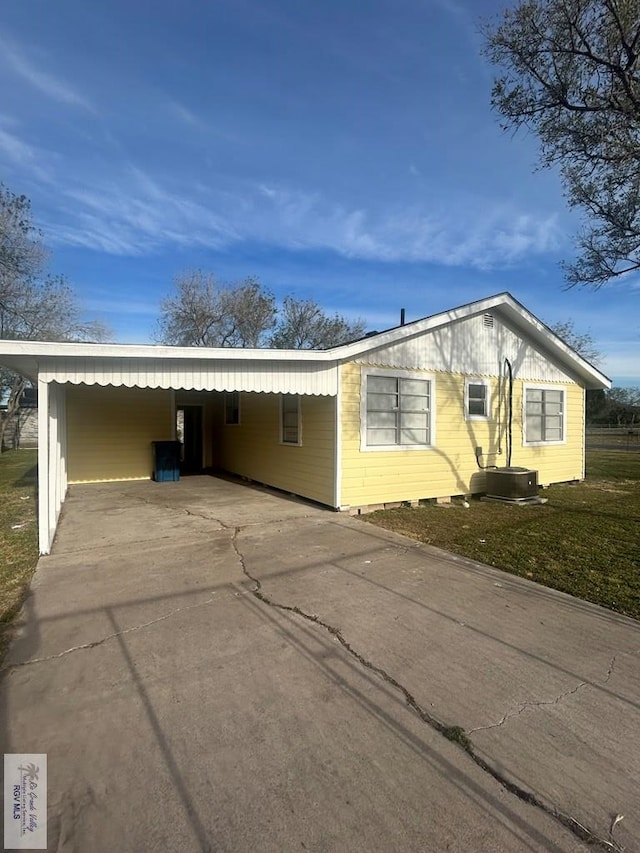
(110, 430)
(450, 468)
(253, 448)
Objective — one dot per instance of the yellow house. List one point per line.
(424, 410)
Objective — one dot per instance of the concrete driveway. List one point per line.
(213, 666)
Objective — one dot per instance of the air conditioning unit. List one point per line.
(512, 484)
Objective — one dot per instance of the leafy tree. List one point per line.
(569, 70)
(304, 325)
(33, 304)
(203, 313)
(582, 342)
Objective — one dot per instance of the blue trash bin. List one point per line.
(166, 461)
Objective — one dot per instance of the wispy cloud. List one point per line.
(137, 215)
(46, 82)
(121, 307)
(483, 235)
(184, 114)
(22, 154)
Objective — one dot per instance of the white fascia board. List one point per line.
(50, 348)
(541, 334)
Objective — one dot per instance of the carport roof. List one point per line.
(299, 371)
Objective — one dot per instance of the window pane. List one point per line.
(553, 425)
(534, 408)
(477, 392)
(290, 418)
(232, 407)
(415, 386)
(534, 429)
(414, 436)
(290, 435)
(382, 419)
(382, 402)
(414, 404)
(381, 436)
(553, 396)
(414, 420)
(477, 407)
(382, 384)
(534, 394)
(553, 408)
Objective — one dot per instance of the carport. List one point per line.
(100, 407)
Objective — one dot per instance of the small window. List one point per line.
(290, 419)
(544, 415)
(232, 408)
(477, 399)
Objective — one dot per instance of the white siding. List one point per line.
(470, 347)
(282, 377)
(52, 460)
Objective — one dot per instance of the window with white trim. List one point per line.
(397, 411)
(544, 415)
(290, 419)
(232, 408)
(476, 399)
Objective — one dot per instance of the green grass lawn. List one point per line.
(18, 533)
(584, 541)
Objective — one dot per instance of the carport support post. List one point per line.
(43, 466)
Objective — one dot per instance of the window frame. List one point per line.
(396, 374)
(227, 396)
(476, 380)
(297, 443)
(534, 386)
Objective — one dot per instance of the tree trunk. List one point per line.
(17, 387)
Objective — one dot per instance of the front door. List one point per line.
(191, 439)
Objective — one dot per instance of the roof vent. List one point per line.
(487, 321)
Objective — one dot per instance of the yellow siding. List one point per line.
(110, 430)
(449, 468)
(253, 449)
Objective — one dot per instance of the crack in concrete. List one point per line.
(92, 645)
(524, 706)
(453, 733)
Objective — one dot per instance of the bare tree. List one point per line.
(33, 305)
(569, 70)
(582, 342)
(21, 253)
(623, 405)
(203, 313)
(304, 325)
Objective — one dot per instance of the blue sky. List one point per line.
(343, 151)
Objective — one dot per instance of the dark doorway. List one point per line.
(189, 424)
